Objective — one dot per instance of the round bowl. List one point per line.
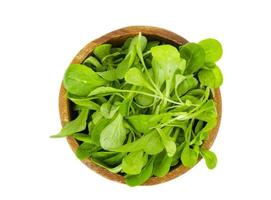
(117, 37)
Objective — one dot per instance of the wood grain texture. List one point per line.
(117, 37)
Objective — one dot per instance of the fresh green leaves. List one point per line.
(189, 157)
(95, 133)
(114, 134)
(85, 150)
(75, 126)
(162, 164)
(210, 158)
(212, 78)
(81, 80)
(144, 107)
(149, 143)
(108, 110)
(146, 173)
(184, 84)
(92, 61)
(134, 162)
(168, 142)
(129, 59)
(194, 55)
(86, 103)
(154, 145)
(165, 61)
(212, 48)
(102, 50)
(135, 77)
(144, 123)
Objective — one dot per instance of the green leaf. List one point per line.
(97, 130)
(114, 134)
(92, 61)
(150, 143)
(187, 84)
(165, 61)
(109, 75)
(135, 77)
(74, 126)
(81, 80)
(85, 150)
(189, 157)
(137, 145)
(210, 158)
(86, 103)
(194, 55)
(114, 160)
(179, 78)
(124, 106)
(133, 162)
(96, 117)
(129, 59)
(114, 170)
(207, 112)
(108, 110)
(151, 44)
(168, 142)
(199, 126)
(212, 78)
(144, 100)
(209, 65)
(101, 155)
(162, 164)
(127, 43)
(102, 50)
(213, 50)
(154, 145)
(145, 174)
(176, 157)
(125, 64)
(144, 123)
(103, 90)
(189, 99)
(209, 126)
(83, 137)
(198, 93)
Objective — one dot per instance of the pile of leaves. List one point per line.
(144, 107)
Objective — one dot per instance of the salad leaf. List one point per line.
(162, 164)
(212, 48)
(165, 61)
(189, 157)
(81, 80)
(102, 50)
(144, 106)
(75, 126)
(114, 134)
(133, 162)
(146, 173)
(212, 78)
(194, 55)
(210, 158)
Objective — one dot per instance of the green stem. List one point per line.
(152, 95)
(139, 52)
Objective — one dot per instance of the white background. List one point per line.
(38, 39)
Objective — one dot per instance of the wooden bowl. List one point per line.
(117, 37)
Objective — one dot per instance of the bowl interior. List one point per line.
(117, 38)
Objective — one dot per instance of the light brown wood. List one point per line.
(117, 37)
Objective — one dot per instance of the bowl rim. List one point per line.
(114, 37)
